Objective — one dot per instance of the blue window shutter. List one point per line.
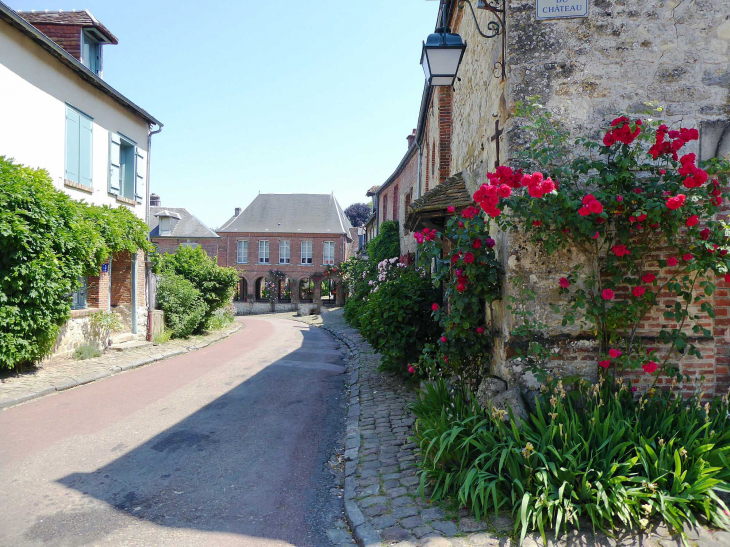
(72, 145)
(86, 154)
(139, 179)
(115, 177)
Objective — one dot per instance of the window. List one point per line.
(126, 168)
(328, 254)
(165, 226)
(284, 252)
(90, 53)
(78, 147)
(242, 252)
(78, 297)
(306, 252)
(385, 209)
(395, 202)
(263, 252)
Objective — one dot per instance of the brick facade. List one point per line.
(295, 271)
(66, 36)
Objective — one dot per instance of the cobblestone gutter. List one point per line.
(381, 486)
(62, 375)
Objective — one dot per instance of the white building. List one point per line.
(60, 115)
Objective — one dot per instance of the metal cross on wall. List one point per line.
(495, 138)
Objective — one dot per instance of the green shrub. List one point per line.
(356, 275)
(396, 318)
(162, 337)
(47, 242)
(386, 244)
(594, 454)
(86, 352)
(216, 284)
(182, 303)
(221, 318)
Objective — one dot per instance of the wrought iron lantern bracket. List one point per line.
(497, 28)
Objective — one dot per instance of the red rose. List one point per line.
(584, 211)
(461, 287)
(692, 221)
(619, 198)
(605, 363)
(648, 278)
(607, 294)
(469, 258)
(638, 291)
(537, 222)
(480, 330)
(687, 257)
(444, 339)
(649, 367)
(477, 243)
(672, 261)
(451, 209)
(504, 191)
(564, 282)
(637, 190)
(595, 207)
(676, 202)
(435, 307)
(705, 234)
(727, 278)
(596, 235)
(620, 250)
(613, 353)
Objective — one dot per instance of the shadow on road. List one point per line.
(253, 462)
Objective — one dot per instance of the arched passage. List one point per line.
(329, 292)
(306, 290)
(242, 290)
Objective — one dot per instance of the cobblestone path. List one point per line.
(386, 483)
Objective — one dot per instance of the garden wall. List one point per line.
(256, 308)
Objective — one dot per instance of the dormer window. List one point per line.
(167, 222)
(91, 51)
(165, 226)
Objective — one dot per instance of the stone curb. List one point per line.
(364, 533)
(115, 369)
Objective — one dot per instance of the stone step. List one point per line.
(120, 337)
(130, 344)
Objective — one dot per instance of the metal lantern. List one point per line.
(441, 57)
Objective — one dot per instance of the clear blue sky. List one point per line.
(284, 97)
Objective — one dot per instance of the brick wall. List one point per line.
(296, 271)
(66, 36)
(170, 245)
(97, 293)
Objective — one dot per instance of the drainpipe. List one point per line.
(148, 263)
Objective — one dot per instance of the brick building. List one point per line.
(173, 227)
(290, 240)
(584, 70)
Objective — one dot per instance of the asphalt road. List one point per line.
(224, 446)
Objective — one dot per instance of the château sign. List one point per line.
(561, 9)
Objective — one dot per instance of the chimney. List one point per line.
(411, 138)
(236, 211)
(155, 200)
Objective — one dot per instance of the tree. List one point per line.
(358, 213)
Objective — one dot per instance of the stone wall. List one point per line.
(626, 52)
(257, 308)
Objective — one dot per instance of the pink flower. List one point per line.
(619, 198)
(613, 353)
(672, 261)
(480, 330)
(411, 369)
(650, 367)
(638, 291)
(648, 278)
(444, 339)
(451, 209)
(692, 221)
(435, 307)
(607, 294)
(564, 282)
(687, 257)
(605, 363)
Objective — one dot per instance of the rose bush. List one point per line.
(642, 214)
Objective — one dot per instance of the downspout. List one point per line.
(148, 263)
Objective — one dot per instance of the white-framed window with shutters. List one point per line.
(126, 168)
(242, 252)
(284, 252)
(306, 252)
(79, 147)
(263, 252)
(328, 253)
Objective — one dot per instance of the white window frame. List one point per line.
(284, 251)
(306, 257)
(327, 261)
(264, 251)
(242, 251)
(165, 221)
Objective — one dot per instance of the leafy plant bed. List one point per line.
(594, 455)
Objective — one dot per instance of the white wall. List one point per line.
(34, 90)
